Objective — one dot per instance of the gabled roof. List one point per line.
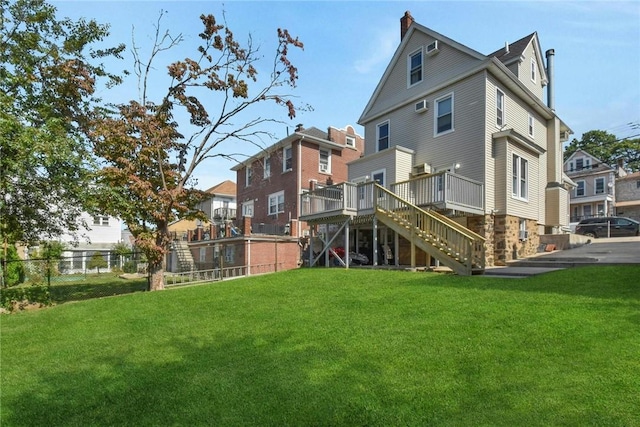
(489, 62)
(635, 175)
(516, 50)
(581, 152)
(398, 53)
(226, 188)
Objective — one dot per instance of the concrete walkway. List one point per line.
(611, 251)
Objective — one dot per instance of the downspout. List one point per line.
(299, 184)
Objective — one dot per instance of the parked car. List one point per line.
(608, 226)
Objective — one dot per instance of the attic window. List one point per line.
(534, 69)
(415, 67)
(350, 141)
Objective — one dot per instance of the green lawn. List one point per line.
(334, 347)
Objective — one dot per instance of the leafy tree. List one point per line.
(150, 163)
(608, 148)
(47, 87)
(97, 261)
(12, 268)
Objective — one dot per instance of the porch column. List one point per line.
(375, 241)
(346, 245)
(396, 250)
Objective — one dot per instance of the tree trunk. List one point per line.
(156, 276)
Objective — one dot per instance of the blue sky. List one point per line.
(348, 44)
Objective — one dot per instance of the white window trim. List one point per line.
(245, 208)
(534, 70)
(328, 151)
(595, 185)
(502, 114)
(350, 141)
(266, 163)
(378, 135)
(275, 196)
(284, 158)
(584, 188)
(384, 176)
(516, 191)
(435, 115)
(411, 55)
(531, 126)
(247, 176)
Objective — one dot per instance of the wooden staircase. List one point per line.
(185, 258)
(447, 241)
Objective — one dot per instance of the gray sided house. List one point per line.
(594, 193)
(463, 142)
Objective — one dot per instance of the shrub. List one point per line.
(129, 267)
(13, 298)
(14, 273)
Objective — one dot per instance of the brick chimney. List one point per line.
(405, 23)
(299, 127)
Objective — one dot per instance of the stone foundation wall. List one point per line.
(484, 226)
(508, 246)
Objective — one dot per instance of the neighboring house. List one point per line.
(594, 194)
(220, 206)
(628, 196)
(462, 134)
(102, 232)
(270, 183)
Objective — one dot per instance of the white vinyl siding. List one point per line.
(436, 70)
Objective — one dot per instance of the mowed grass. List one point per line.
(328, 347)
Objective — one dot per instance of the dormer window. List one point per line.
(579, 164)
(415, 67)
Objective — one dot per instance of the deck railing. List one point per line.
(442, 190)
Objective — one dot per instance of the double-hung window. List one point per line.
(267, 167)
(531, 125)
(599, 185)
(248, 174)
(444, 114)
(325, 161)
(101, 220)
(580, 188)
(287, 159)
(499, 108)
(534, 69)
(415, 67)
(276, 203)
(247, 209)
(383, 136)
(520, 171)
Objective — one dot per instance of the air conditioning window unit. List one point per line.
(421, 169)
(524, 235)
(421, 106)
(323, 167)
(432, 48)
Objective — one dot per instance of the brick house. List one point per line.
(270, 183)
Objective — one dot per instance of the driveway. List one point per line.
(604, 251)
